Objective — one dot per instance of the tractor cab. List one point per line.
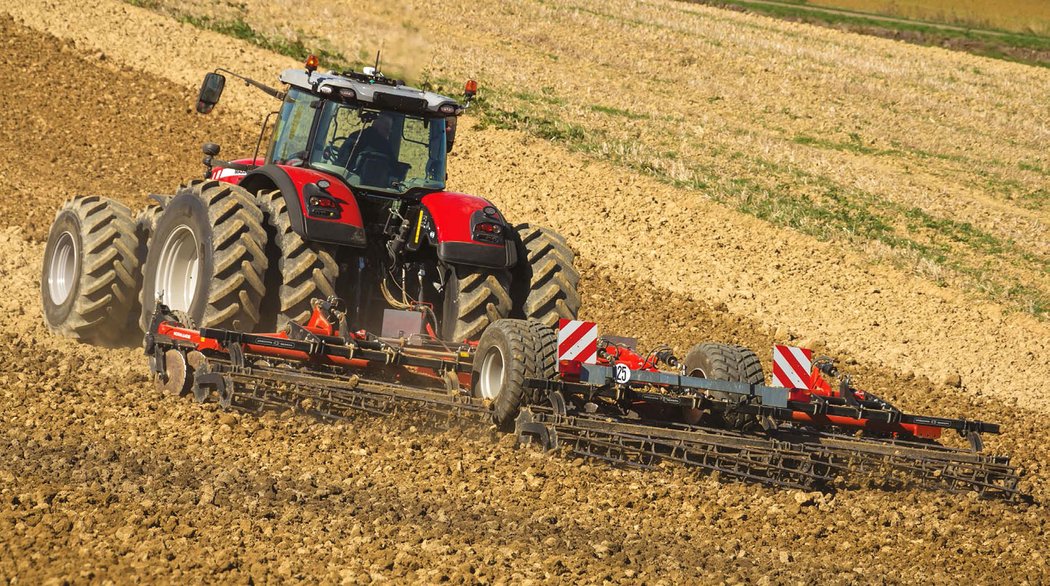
(372, 131)
(369, 147)
(351, 184)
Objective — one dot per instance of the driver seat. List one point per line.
(373, 168)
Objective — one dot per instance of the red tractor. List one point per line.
(348, 201)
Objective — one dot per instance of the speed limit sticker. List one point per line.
(621, 373)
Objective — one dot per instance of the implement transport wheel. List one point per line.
(510, 351)
(546, 351)
(90, 274)
(206, 257)
(474, 298)
(298, 271)
(545, 280)
(723, 362)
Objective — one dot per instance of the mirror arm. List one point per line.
(276, 93)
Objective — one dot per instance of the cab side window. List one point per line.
(292, 135)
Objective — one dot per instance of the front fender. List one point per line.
(233, 176)
(452, 219)
(313, 223)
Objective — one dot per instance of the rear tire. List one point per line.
(474, 298)
(90, 270)
(509, 352)
(145, 222)
(207, 257)
(545, 280)
(299, 271)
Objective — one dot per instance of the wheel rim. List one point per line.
(62, 271)
(693, 416)
(491, 378)
(178, 269)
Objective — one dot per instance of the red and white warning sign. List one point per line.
(792, 367)
(578, 341)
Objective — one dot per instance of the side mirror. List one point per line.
(211, 91)
(210, 150)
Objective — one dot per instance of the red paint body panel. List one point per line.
(451, 215)
(231, 175)
(351, 213)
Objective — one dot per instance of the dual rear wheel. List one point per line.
(91, 271)
(202, 255)
(230, 259)
(541, 287)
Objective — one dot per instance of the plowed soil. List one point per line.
(105, 479)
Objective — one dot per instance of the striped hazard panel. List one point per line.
(792, 367)
(578, 341)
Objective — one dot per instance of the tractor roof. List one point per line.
(375, 91)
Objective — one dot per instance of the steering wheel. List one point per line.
(331, 151)
(295, 159)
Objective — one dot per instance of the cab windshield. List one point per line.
(382, 150)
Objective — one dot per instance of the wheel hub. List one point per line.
(178, 269)
(62, 271)
(693, 416)
(491, 376)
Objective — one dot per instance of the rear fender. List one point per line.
(450, 221)
(338, 223)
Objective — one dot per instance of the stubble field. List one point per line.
(1022, 16)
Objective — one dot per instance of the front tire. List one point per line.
(87, 287)
(474, 298)
(206, 257)
(299, 271)
(546, 281)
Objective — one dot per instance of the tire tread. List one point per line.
(546, 280)
(483, 299)
(236, 287)
(304, 270)
(105, 292)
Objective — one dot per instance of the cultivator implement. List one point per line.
(621, 408)
(782, 457)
